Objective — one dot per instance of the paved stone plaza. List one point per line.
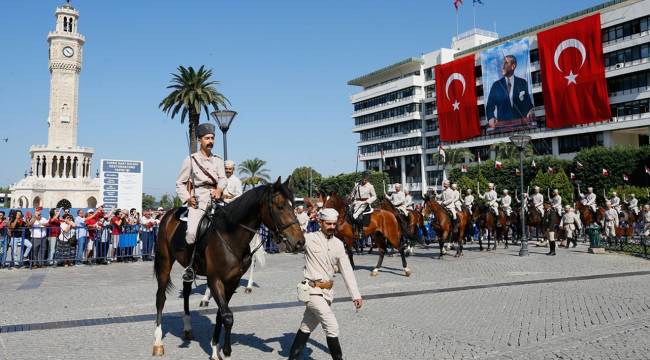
(488, 305)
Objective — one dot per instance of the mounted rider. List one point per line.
(646, 220)
(506, 202)
(556, 202)
(491, 197)
(398, 199)
(457, 198)
(633, 204)
(201, 180)
(538, 200)
(468, 200)
(363, 195)
(408, 200)
(447, 200)
(616, 202)
(590, 199)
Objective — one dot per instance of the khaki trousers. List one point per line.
(318, 311)
(193, 218)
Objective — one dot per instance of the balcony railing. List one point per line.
(396, 101)
(390, 136)
(386, 120)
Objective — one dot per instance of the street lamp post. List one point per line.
(224, 118)
(520, 142)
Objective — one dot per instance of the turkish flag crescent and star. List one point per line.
(573, 75)
(456, 96)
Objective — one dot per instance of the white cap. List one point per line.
(160, 208)
(328, 214)
(229, 163)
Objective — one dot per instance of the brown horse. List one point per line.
(383, 226)
(414, 221)
(533, 219)
(442, 224)
(486, 221)
(223, 254)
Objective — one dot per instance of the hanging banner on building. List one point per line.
(573, 74)
(121, 184)
(508, 86)
(456, 97)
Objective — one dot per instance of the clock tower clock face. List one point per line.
(68, 51)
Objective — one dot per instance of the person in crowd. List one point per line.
(39, 237)
(313, 221)
(303, 218)
(64, 250)
(3, 237)
(611, 220)
(54, 229)
(20, 246)
(646, 220)
(556, 202)
(148, 223)
(490, 197)
(325, 255)
(570, 223)
(91, 226)
(82, 236)
(233, 188)
(116, 223)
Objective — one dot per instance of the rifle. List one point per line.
(190, 186)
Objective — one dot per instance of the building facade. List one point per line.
(60, 172)
(396, 109)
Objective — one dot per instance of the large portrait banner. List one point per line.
(507, 83)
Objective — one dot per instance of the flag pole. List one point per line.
(474, 13)
(456, 23)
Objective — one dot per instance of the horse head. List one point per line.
(278, 215)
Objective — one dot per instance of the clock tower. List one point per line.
(60, 172)
(65, 58)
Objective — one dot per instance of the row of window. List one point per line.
(432, 142)
(391, 130)
(626, 29)
(633, 53)
(391, 145)
(386, 114)
(573, 143)
(382, 99)
(631, 108)
(628, 81)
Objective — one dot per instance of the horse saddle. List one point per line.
(363, 219)
(181, 214)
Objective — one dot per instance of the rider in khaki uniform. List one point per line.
(570, 222)
(363, 195)
(324, 256)
(206, 174)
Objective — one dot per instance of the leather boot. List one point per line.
(552, 248)
(299, 343)
(335, 348)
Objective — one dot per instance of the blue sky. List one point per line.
(284, 66)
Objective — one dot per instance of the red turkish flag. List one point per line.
(573, 75)
(456, 96)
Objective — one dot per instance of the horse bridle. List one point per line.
(276, 220)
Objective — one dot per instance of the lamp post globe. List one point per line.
(224, 119)
(520, 141)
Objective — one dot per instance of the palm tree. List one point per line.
(192, 92)
(457, 156)
(254, 172)
(508, 151)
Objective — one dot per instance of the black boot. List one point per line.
(188, 274)
(335, 348)
(551, 245)
(298, 345)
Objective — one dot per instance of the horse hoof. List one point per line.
(248, 290)
(374, 272)
(204, 303)
(187, 335)
(158, 350)
(407, 272)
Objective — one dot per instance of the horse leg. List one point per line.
(162, 266)
(224, 316)
(249, 283)
(187, 320)
(407, 271)
(215, 336)
(480, 239)
(381, 248)
(350, 256)
(205, 302)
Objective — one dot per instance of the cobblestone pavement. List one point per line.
(486, 305)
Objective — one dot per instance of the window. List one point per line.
(429, 90)
(387, 114)
(385, 98)
(391, 130)
(428, 108)
(573, 143)
(628, 82)
(534, 56)
(629, 28)
(536, 77)
(631, 108)
(542, 146)
(429, 74)
(633, 53)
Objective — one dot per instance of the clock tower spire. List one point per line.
(65, 59)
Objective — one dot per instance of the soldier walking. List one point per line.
(324, 256)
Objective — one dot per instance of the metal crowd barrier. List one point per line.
(35, 247)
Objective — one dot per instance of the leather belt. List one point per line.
(327, 285)
(362, 199)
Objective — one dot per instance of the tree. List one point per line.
(508, 151)
(192, 93)
(543, 180)
(148, 201)
(166, 202)
(300, 181)
(343, 184)
(177, 202)
(561, 182)
(253, 172)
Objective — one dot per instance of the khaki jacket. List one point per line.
(323, 258)
(201, 182)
